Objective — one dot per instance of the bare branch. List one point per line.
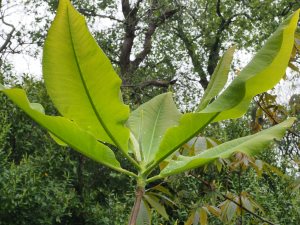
(198, 67)
(218, 9)
(131, 21)
(9, 35)
(87, 12)
(126, 8)
(148, 38)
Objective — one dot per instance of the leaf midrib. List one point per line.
(154, 130)
(86, 89)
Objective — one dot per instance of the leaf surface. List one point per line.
(218, 79)
(144, 216)
(261, 74)
(150, 121)
(155, 203)
(249, 145)
(81, 81)
(65, 130)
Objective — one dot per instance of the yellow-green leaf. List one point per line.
(150, 121)
(81, 81)
(65, 130)
(218, 79)
(249, 145)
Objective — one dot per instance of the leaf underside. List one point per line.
(65, 130)
(81, 81)
(250, 145)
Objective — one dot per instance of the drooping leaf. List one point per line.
(150, 121)
(231, 210)
(247, 203)
(203, 216)
(65, 130)
(81, 81)
(214, 210)
(218, 79)
(261, 74)
(144, 216)
(155, 203)
(248, 145)
(193, 218)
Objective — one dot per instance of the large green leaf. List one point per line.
(65, 130)
(218, 79)
(250, 145)
(150, 121)
(262, 73)
(81, 81)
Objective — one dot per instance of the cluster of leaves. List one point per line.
(42, 183)
(92, 123)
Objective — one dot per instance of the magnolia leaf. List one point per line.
(162, 189)
(268, 65)
(66, 131)
(231, 210)
(150, 121)
(175, 137)
(38, 107)
(261, 74)
(203, 216)
(57, 140)
(247, 203)
(248, 145)
(154, 202)
(191, 218)
(144, 216)
(214, 210)
(218, 79)
(164, 199)
(81, 81)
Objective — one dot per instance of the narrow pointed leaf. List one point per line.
(203, 216)
(65, 130)
(193, 218)
(144, 216)
(249, 145)
(218, 79)
(262, 73)
(231, 211)
(80, 79)
(154, 202)
(150, 121)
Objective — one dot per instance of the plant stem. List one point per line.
(136, 208)
(240, 193)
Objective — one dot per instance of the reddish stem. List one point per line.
(136, 208)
